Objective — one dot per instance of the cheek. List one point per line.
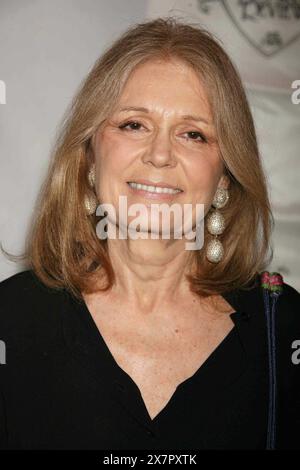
(115, 155)
(203, 173)
(112, 159)
(203, 176)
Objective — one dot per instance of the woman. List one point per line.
(137, 342)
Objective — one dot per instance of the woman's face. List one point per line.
(160, 132)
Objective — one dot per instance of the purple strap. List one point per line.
(272, 284)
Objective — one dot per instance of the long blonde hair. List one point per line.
(62, 247)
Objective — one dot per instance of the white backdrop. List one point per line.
(48, 46)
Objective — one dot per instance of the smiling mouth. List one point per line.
(153, 189)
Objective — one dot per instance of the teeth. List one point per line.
(153, 189)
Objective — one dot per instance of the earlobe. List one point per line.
(224, 182)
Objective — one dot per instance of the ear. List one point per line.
(224, 182)
(91, 152)
(93, 139)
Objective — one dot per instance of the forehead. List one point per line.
(172, 84)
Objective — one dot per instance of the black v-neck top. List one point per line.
(61, 388)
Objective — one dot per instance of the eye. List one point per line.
(194, 135)
(134, 125)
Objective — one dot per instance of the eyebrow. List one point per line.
(145, 110)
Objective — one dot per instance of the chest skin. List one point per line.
(160, 351)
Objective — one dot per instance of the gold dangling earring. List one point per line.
(216, 226)
(90, 200)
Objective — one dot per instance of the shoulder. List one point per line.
(251, 299)
(286, 306)
(28, 308)
(289, 303)
(21, 283)
(25, 289)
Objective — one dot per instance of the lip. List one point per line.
(149, 195)
(160, 184)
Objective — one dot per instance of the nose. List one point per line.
(160, 150)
